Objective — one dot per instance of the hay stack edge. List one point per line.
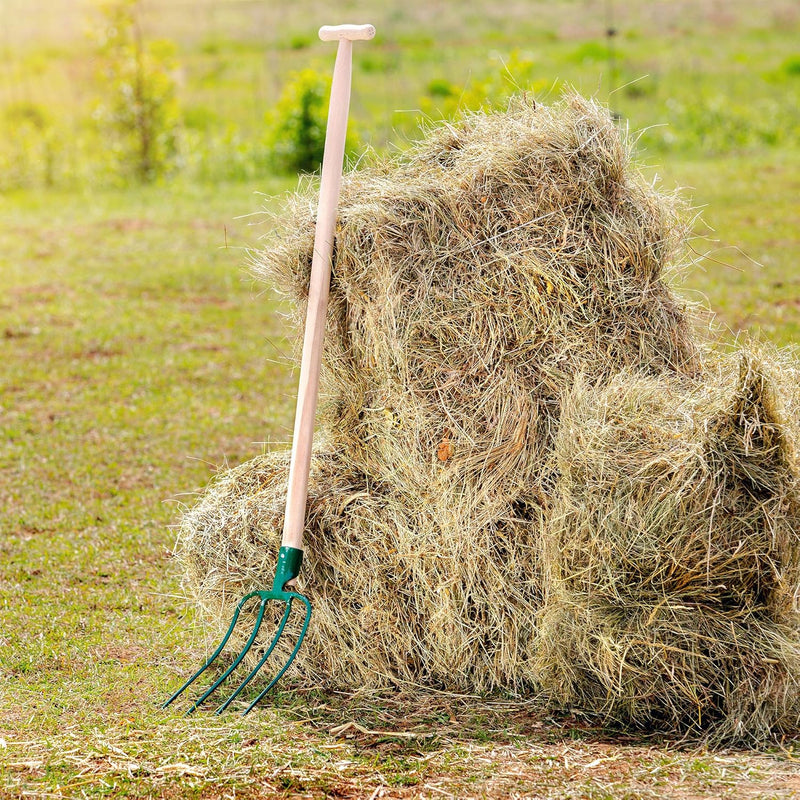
(530, 474)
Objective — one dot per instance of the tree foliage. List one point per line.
(139, 108)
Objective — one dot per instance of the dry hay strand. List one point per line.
(671, 559)
(473, 278)
(400, 594)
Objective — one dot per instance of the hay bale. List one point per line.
(479, 520)
(473, 278)
(400, 594)
(671, 559)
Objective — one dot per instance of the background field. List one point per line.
(137, 358)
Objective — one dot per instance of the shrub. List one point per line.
(31, 146)
(139, 109)
(297, 123)
(493, 89)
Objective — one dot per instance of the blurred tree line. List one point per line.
(136, 128)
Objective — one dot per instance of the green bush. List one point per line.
(138, 111)
(296, 126)
(791, 66)
(513, 75)
(300, 41)
(439, 87)
(31, 147)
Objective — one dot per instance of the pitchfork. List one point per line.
(290, 555)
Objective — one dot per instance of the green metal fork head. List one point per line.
(288, 568)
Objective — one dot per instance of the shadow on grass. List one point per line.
(422, 719)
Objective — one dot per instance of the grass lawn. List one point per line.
(137, 358)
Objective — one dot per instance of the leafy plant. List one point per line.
(297, 123)
(515, 74)
(139, 110)
(791, 66)
(31, 146)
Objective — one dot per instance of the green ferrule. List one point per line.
(289, 561)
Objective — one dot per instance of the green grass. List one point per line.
(129, 332)
(748, 233)
(137, 358)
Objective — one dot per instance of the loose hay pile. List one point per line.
(471, 524)
(399, 593)
(671, 555)
(472, 281)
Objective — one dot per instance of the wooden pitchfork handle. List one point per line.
(319, 286)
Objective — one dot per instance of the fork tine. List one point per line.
(300, 638)
(215, 654)
(262, 661)
(261, 609)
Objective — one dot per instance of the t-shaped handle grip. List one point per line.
(333, 33)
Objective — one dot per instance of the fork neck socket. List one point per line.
(289, 561)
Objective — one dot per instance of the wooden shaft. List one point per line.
(308, 390)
